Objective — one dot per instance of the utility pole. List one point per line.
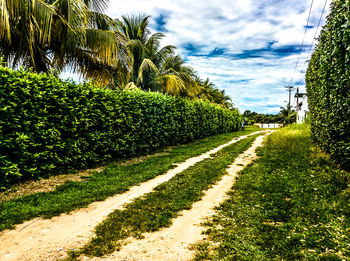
(297, 99)
(297, 104)
(289, 88)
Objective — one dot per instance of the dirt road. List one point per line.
(49, 239)
(173, 243)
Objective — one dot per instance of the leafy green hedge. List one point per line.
(51, 126)
(328, 84)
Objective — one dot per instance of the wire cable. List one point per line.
(313, 40)
(302, 43)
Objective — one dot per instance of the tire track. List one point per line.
(173, 243)
(49, 239)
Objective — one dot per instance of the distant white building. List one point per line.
(302, 107)
(270, 125)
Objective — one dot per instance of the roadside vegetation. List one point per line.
(328, 85)
(292, 204)
(49, 126)
(138, 96)
(286, 116)
(157, 209)
(116, 178)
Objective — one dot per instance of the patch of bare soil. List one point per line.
(50, 239)
(174, 242)
(49, 184)
(44, 185)
(143, 158)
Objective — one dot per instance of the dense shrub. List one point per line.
(328, 84)
(49, 126)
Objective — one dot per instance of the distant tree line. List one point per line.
(285, 116)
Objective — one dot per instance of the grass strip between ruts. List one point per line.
(292, 204)
(113, 180)
(157, 209)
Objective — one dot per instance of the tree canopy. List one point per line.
(52, 35)
(285, 116)
(48, 35)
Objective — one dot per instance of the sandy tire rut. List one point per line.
(49, 239)
(173, 243)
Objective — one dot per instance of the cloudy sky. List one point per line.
(247, 47)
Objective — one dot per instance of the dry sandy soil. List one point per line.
(173, 243)
(44, 185)
(50, 184)
(49, 239)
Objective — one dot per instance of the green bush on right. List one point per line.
(328, 85)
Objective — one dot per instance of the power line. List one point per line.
(306, 27)
(302, 44)
(313, 40)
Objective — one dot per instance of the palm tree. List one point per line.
(171, 76)
(154, 68)
(287, 114)
(208, 91)
(224, 100)
(285, 111)
(47, 34)
(160, 69)
(136, 31)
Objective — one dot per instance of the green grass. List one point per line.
(293, 204)
(157, 209)
(113, 180)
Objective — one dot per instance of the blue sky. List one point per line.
(247, 47)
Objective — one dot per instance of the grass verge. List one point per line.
(158, 208)
(292, 204)
(113, 180)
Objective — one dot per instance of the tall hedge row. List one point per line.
(50, 126)
(328, 84)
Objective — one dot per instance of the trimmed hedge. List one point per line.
(50, 126)
(328, 85)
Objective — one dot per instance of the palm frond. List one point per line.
(97, 5)
(155, 38)
(169, 60)
(171, 84)
(146, 65)
(101, 21)
(5, 31)
(103, 44)
(44, 14)
(136, 27)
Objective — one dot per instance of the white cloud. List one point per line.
(236, 26)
